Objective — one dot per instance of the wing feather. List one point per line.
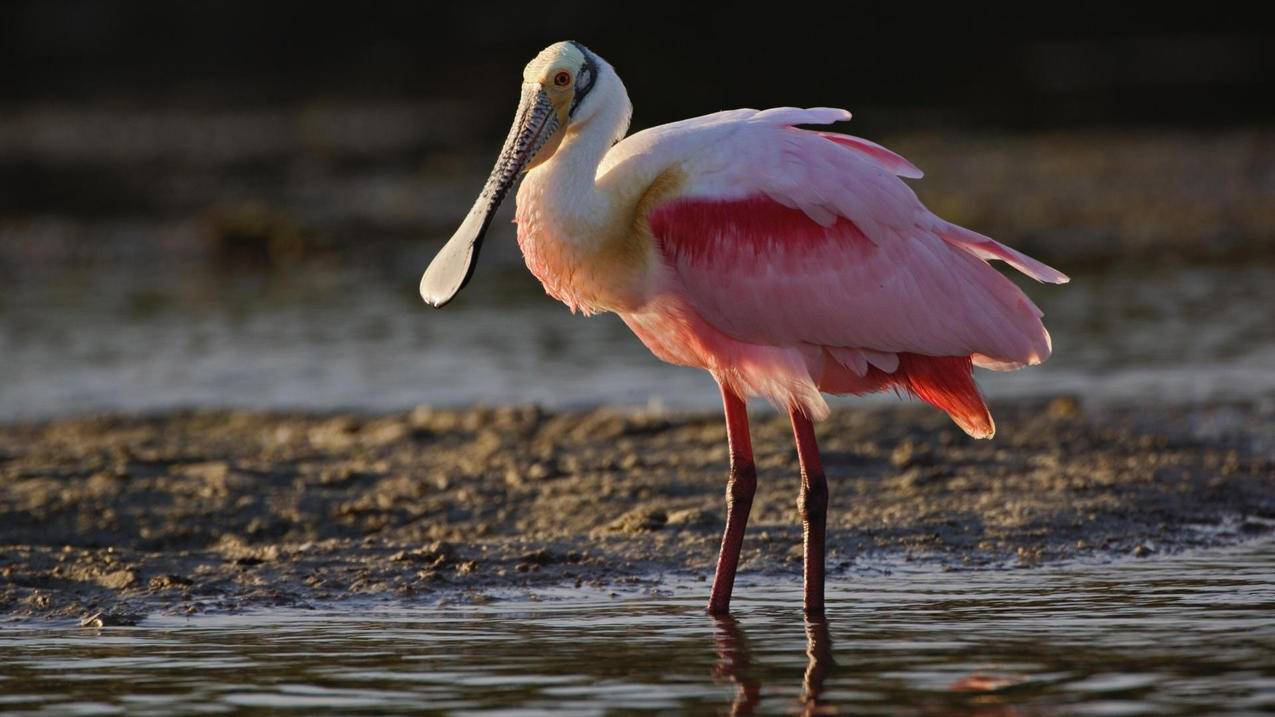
(790, 237)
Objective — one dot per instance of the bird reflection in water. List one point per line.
(818, 662)
(734, 662)
(983, 692)
(976, 695)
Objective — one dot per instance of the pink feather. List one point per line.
(796, 266)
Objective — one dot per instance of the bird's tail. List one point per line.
(945, 382)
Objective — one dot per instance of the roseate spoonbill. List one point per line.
(786, 262)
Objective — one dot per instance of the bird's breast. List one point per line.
(591, 264)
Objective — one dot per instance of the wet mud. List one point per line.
(108, 519)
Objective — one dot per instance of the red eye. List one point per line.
(562, 79)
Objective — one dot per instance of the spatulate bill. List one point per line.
(534, 124)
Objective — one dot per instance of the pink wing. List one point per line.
(787, 237)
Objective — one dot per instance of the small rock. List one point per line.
(168, 582)
(117, 580)
(910, 455)
(336, 434)
(103, 618)
(434, 555)
(917, 477)
(695, 518)
(384, 433)
(638, 521)
(538, 471)
(1142, 551)
(543, 470)
(902, 454)
(538, 557)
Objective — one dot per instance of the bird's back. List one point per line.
(809, 243)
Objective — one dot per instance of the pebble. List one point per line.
(109, 619)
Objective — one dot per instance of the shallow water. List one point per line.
(1181, 635)
(139, 338)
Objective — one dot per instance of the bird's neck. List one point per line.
(575, 234)
(563, 190)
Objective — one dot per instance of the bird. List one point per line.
(788, 262)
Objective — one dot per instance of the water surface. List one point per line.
(1182, 635)
(340, 337)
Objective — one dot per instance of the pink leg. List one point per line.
(740, 487)
(812, 502)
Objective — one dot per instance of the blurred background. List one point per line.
(230, 203)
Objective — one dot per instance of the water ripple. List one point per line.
(1186, 635)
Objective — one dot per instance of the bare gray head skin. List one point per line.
(555, 85)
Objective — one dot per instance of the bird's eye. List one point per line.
(562, 79)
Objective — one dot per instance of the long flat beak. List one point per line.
(534, 123)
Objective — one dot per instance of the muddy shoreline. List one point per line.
(110, 518)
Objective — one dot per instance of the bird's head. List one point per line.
(562, 88)
(558, 82)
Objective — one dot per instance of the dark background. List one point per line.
(208, 203)
(1020, 65)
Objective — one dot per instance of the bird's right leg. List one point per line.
(740, 487)
(812, 502)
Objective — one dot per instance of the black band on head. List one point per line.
(585, 78)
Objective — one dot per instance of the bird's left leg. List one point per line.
(740, 488)
(812, 503)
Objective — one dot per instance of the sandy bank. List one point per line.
(220, 510)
